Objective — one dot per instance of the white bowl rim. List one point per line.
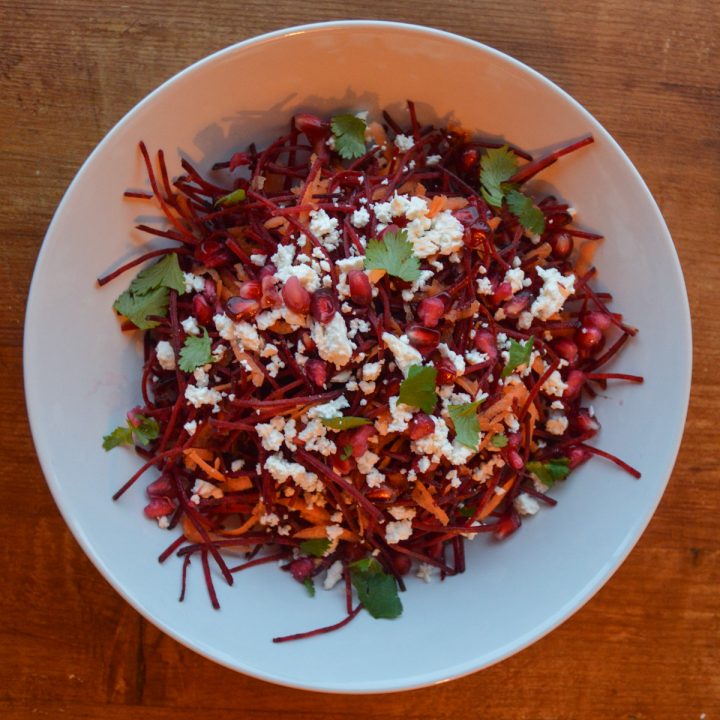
(426, 679)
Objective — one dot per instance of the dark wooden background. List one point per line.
(645, 647)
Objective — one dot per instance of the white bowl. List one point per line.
(81, 373)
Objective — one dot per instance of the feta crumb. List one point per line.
(555, 290)
(398, 530)
(404, 142)
(360, 218)
(165, 355)
(457, 360)
(526, 504)
(163, 522)
(258, 260)
(333, 575)
(332, 341)
(433, 160)
(193, 282)
(405, 354)
(484, 286)
(190, 326)
(206, 489)
(199, 396)
(554, 385)
(236, 465)
(425, 572)
(190, 427)
(556, 424)
(282, 470)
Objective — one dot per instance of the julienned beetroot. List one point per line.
(272, 388)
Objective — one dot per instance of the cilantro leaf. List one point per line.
(316, 547)
(496, 167)
(195, 352)
(344, 423)
(551, 471)
(466, 422)
(418, 388)
(500, 440)
(137, 308)
(526, 211)
(394, 254)
(519, 354)
(147, 429)
(346, 452)
(164, 273)
(376, 590)
(309, 586)
(233, 198)
(466, 511)
(349, 134)
(119, 436)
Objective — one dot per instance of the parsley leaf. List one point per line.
(349, 134)
(496, 167)
(526, 211)
(466, 422)
(309, 586)
(137, 308)
(376, 590)
(316, 547)
(344, 423)
(551, 471)
(466, 511)
(418, 388)
(519, 354)
(195, 352)
(233, 198)
(119, 436)
(500, 440)
(148, 292)
(164, 273)
(394, 254)
(146, 430)
(346, 452)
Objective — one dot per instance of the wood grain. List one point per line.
(645, 647)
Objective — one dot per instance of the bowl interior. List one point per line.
(514, 591)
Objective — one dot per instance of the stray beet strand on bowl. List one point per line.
(370, 342)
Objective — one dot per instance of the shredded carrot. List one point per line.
(421, 495)
(319, 532)
(210, 471)
(275, 222)
(238, 484)
(316, 515)
(495, 500)
(455, 203)
(540, 252)
(586, 253)
(248, 525)
(436, 205)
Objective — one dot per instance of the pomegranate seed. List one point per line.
(308, 342)
(575, 381)
(250, 290)
(162, 487)
(301, 569)
(317, 372)
(383, 494)
(469, 159)
(507, 525)
(516, 305)
(467, 215)
(342, 465)
(514, 440)
(360, 288)
(159, 507)
(270, 295)
(358, 439)
(566, 349)
(314, 129)
(597, 319)
(401, 563)
(447, 372)
(212, 254)
(561, 244)
(485, 342)
(323, 306)
(430, 310)
(237, 307)
(577, 456)
(502, 292)
(589, 338)
(420, 426)
(515, 460)
(210, 291)
(201, 309)
(266, 271)
(422, 337)
(296, 297)
(585, 423)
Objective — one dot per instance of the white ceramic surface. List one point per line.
(81, 373)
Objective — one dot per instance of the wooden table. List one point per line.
(645, 647)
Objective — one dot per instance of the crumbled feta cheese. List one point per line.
(405, 354)
(524, 320)
(193, 282)
(437, 445)
(282, 470)
(367, 461)
(202, 379)
(332, 341)
(360, 218)
(206, 489)
(515, 278)
(271, 434)
(274, 366)
(400, 512)
(199, 396)
(190, 427)
(374, 478)
(163, 522)
(165, 355)
(526, 504)
(358, 325)
(368, 388)
(433, 160)
(484, 286)
(333, 575)
(237, 465)
(457, 360)
(425, 572)
(554, 385)
(258, 260)
(483, 473)
(329, 410)
(555, 290)
(398, 530)
(404, 142)
(371, 371)
(556, 424)
(475, 357)
(270, 519)
(324, 228)
(418, 285)
(190, 326)
(268, 318)
(400, 414)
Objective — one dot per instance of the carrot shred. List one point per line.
(421, 495)
(495, 500)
